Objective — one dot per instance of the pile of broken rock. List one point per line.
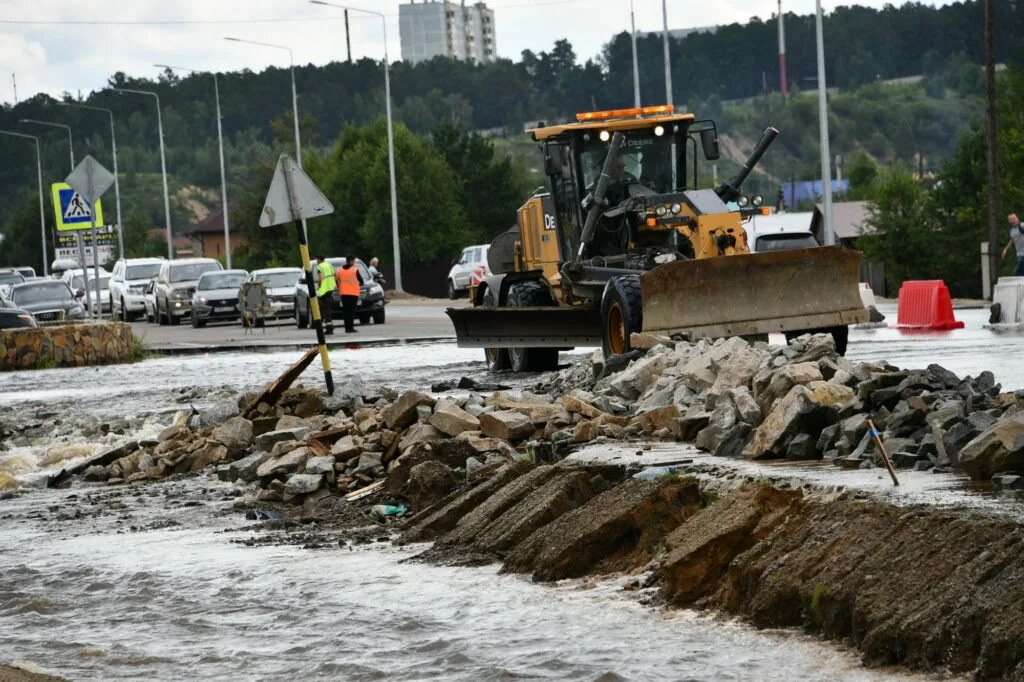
(729, 397)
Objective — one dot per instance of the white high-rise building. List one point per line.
(446, 29)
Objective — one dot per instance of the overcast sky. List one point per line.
(56, 57)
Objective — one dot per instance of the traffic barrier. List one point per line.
(1009, 296)
(867, 296)
(925, 304)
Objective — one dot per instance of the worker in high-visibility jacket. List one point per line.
(325, 288)
(350, 284)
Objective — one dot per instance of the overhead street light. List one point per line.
(117, 187)
(220, 147)
(163, 162)
(71, 141)
(826, 170)
(391, 137)
(39, 176)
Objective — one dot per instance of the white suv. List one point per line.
(474, 258)
(128, 286)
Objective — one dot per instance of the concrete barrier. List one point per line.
(1009, 297)
(69, 345)
(867, 296)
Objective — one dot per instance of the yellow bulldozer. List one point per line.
(623, 240)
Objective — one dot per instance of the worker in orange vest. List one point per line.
(350, 284)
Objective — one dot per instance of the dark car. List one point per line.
(370, 305)
(216, 296)
(12, 316)
(48, 300)
(175, 284)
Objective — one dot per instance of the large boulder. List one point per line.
(786, 378)
(963, 432)
(429, 482)
(211, 453)
(302, 484)
(998, 448)
(738, 369)
(267, 440)
(402, 412)
(284, 464)
(235, 434)
(345, 448)
(506, 424)
(419, 433)
(722, 419)
(244, 469)
(805, 409)
(661, 418)
(452, 420)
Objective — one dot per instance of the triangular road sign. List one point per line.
(292, 196)
(90, 179)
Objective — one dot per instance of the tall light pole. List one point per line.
(396, 247)
(163, 163)
(826, 170)
(117, 186)
(71, 141)
(295, 104)
(668, 58)
(220, 149)
(783, 78)
(39, 176)
(636, 68)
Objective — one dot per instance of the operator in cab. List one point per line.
(350, 285)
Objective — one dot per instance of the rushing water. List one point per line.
(92, 600)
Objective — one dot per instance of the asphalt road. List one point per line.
(407, 320)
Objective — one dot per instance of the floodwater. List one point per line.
(93, 600)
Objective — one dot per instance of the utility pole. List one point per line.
(826, 170)
(14, 82)
(636, 68)
(668, 58)
(348, 39)
(39, 178)
(783, 80)
(991, 142)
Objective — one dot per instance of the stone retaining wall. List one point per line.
(69, 345)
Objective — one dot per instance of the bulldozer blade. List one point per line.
(543, 327)
(752, 294)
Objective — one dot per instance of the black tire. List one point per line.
(452, 293)
(621, 314)
(300, 319)
(840, 335)
(378, 317)
(364, 319)
(160, 319)
(530, 295)
(497, 358)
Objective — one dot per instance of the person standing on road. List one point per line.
(350, 284)
(325, 286)
(1017, 239)
(374, 270)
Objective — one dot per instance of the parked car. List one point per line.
(128, 286)
(461, 274)
(77, 283)
(26, 271)
(175, 284)
(58, 267)
(369, 307)
(216, 296)
(12, 317)
(47, 300)
(9, 276)
(279, 283)
(149, 301)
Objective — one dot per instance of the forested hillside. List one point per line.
(716, 74)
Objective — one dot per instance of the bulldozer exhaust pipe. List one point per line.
(730, 189)
(597, 198)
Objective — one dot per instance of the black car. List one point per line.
(12, 317)
(371, 298)
(48, 300)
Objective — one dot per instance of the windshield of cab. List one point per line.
(142, 271)
(645, 158)
(784, 242)
(45, 291)
(227, 280)
(191, 271)
(274, 280)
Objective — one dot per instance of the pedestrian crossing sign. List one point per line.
(71, 211)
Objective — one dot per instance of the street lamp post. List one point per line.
(163, 163)
(397, 251)
(636, 67)
(71, 141)
(826, 170)
(117, 187)
(295, 104)
(39, 176)
(668, 58)
(220, 148)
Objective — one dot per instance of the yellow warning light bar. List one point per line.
(619, 113)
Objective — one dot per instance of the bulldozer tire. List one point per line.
(621, 314)
(530, 295)
(840, 334)
(497, 358)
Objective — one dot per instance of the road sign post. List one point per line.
(293, 198)
(90, 180)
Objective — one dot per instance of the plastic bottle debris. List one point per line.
(382, 511)
(262, 515)
(655, 472)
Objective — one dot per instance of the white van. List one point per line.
(128, 286)
(461, 275)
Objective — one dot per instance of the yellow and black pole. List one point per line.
(314, 305)
(293, 197)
